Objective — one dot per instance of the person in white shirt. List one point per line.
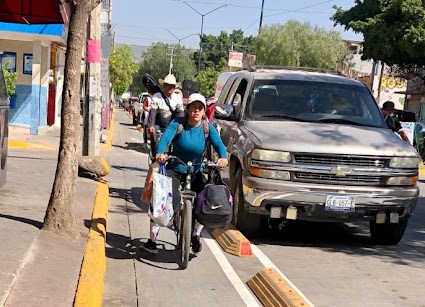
(161, 113)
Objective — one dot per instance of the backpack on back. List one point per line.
(213, 206)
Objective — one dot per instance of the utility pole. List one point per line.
(261, 17)
(202, 26)
(178, 51)
(92, 103)
(171, 55)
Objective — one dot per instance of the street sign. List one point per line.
(235, 59)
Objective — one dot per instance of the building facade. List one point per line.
(37, 54)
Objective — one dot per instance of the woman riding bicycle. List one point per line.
(189, 145)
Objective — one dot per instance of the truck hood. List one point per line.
(328, 138)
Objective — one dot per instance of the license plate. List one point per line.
(339, 203)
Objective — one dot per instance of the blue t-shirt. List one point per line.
(189, 145)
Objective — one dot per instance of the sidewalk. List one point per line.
(38, 268)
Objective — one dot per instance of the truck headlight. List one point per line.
(400, 162)
(271, 155)
(402, 180)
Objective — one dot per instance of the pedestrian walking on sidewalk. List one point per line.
(393, 123)
(190, 145)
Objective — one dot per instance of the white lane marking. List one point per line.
(269, 264)
(227, 268)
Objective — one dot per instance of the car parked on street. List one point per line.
(309, 144)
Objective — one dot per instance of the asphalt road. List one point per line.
(331, 264)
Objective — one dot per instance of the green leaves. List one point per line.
(216, 48)
(156, 62)
(122, 67)
(208, 78)
(393, 31)
(297, 44)
(10, 79)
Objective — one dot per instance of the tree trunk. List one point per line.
(60, 214)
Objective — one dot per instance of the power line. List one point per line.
(230, 4)
(303, 8)
(288, 11)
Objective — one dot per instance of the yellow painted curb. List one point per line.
(274, 291)
(28, 145)
(232, 241)
(92, 275)
(106, 168)
(108, 145)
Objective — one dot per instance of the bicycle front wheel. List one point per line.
(186, 229)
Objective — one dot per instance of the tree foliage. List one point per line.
(156, 62)
(297, 44)
(10, 79)
(216, 48)
(393, 31)
(122, 67)
(208, 78)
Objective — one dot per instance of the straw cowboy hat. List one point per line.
(169, 79)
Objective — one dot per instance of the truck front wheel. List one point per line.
(247, 223)
(387, 234)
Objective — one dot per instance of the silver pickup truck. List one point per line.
(312, 145)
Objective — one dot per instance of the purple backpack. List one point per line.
(213, 206)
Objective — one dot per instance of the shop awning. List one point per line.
(34, 11)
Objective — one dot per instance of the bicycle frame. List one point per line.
(183, 217)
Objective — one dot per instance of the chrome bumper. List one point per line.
(310, 199)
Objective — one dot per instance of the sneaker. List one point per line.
(196, 244)
(150, 247)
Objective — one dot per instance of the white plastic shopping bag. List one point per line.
(161, 211)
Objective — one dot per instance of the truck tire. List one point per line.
(248, 223)
(387, 234)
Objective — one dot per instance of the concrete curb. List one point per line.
(28, 145)
(92, 275)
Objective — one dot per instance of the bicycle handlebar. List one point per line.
(205, 163)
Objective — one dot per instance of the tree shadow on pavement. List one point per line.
(127, 124)
(123, 247)
(34, 223)
(132, 195)
(139, 147)
(131, 168)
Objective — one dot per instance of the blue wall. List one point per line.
(30, 108)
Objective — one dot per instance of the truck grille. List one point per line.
(350, 179)
(341, 160)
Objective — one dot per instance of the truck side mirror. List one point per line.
(223, 111)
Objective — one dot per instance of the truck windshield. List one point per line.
(320, 102)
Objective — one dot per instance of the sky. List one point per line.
(143, 22)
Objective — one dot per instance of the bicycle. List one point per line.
(182, 221)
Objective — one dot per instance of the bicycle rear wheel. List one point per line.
(185, 233)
